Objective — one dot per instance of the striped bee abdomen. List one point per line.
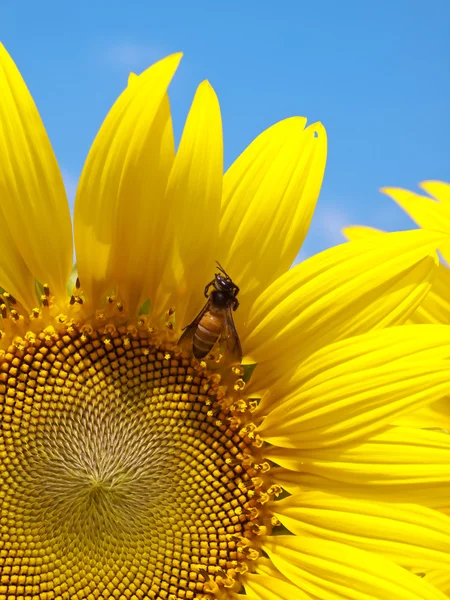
(207, 333)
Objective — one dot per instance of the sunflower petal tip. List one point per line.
(206, 85)
(174, 58)
(320, 131)
(295, 120)
(346, 231)
(319, 126)
(206, 91)
(397, 194)
(431, 183)
(170, 62)
(4, 54)
(132, 78)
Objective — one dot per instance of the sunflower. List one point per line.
(131, 469)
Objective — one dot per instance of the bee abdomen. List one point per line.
(207, 333)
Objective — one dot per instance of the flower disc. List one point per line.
(120, 475)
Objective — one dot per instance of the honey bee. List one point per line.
(214, 323)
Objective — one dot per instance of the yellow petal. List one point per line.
(33, 209)
(120, 200)
(269, 196)
(355, 387)
(359, 232)
(433, 495)
(334, 571)
(427, 213)
(433, 416)
(399, 455)
(15, 277)
(264, 566)
(439, 189)
(189, 238)
(262, 587)
(408, 534)
(435, 307)
(440, 580)
(344, 291)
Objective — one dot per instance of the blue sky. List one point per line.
(377, 74)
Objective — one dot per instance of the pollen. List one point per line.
(127, 469)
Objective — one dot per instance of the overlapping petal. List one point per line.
(440, 579)
(413, 536)
(334, 571)
(265, 566)
(427, 213)
(192, 210)
(439, 189)
(355, 233)
(398, 455)
(119, 206)
(15, 276)
(263, 587)
(269, 197)
(432, 494)
(341, 292)
(435, 308)
(432, 416)
(355, 387)
(34, 213)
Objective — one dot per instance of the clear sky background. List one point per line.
(376, 73)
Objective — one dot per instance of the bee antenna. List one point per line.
(221, 268)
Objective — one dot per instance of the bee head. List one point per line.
(223, 283)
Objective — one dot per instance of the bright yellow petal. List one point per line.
(435, 307)
(433, 416)
(408, 534)
(359, 232)
(192, 210)
(433, 495)
(439, 189)
(119, 205)
(15, 277)
(269, 196)
(399, 455)
(440, 580)
(334, 571)
(427, 213)
(355, 387)
(264, 566)
(262, 587)
(33, 209)
(344, 291)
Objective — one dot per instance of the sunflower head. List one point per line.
(125, 465)
(130, 468)
(137, 463)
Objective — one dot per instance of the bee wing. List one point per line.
(187, 337)
(229, 339)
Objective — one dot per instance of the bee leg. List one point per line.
(236, 290)
(206, 292)
(236, 303)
